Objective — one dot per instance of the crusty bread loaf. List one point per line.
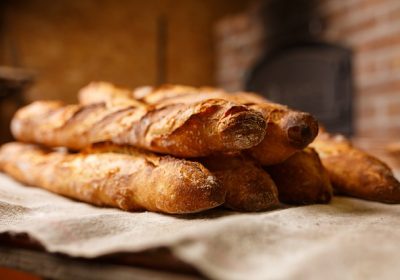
(354, 172)
(184, 130)
(169, 93)
(138, 181)
(249, 187)
(301, 179)
(287, 132)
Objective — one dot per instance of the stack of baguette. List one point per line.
(178, 149)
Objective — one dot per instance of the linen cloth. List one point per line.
(346, 239)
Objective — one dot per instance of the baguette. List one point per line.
(183, 130)
(288, 131)
(135, 182)
(301, 179)
(354, 172)
(248, 187)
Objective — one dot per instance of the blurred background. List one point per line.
(339, 60)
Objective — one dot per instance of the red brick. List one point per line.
(383, 42)
(392, 86)
(362, 26)
(365, 111)
(394, 109)
(347, 11)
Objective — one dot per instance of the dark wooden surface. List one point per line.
(24, 254)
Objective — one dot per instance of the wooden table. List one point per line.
(24, 254)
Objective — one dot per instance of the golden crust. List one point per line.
(138, 181)
(103, 92)
(249, 187)
(302, 179)
(287, 131)
(185, 130)
(356, 173)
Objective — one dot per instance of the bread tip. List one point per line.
(242, 130)
(302, 128)
(188, 188)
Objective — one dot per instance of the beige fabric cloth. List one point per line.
(348, 239)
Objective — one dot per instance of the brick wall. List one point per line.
(371, 28)
(239, 43)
